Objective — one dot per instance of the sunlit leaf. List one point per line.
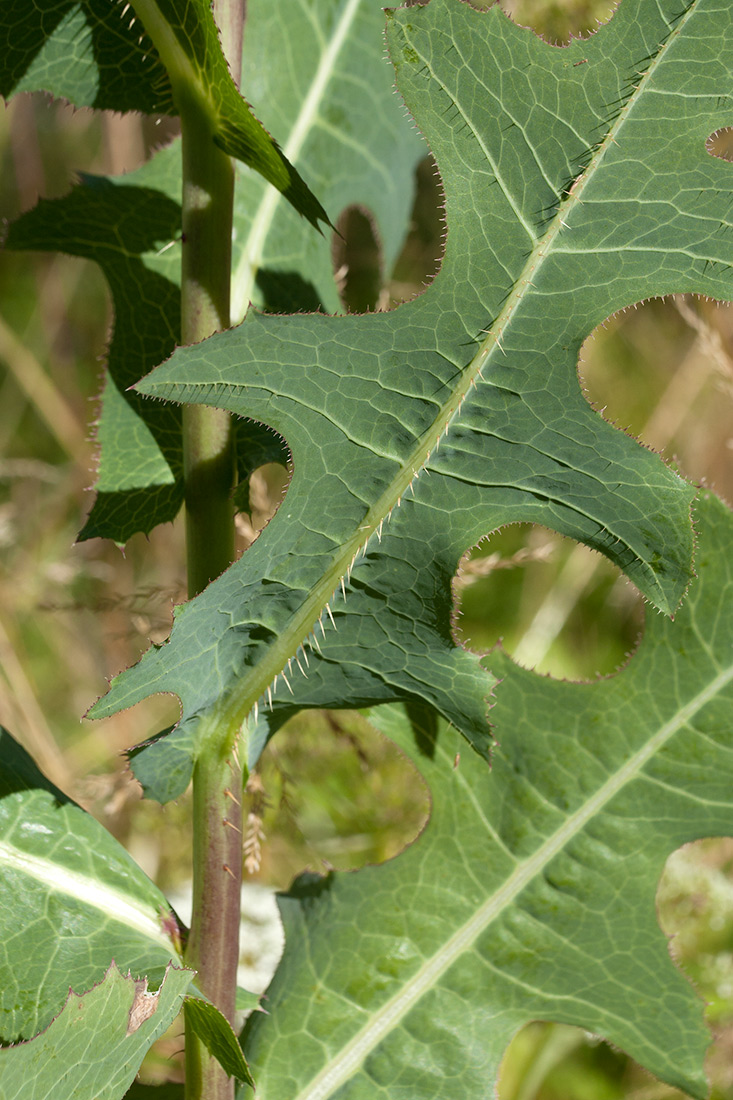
(531, 893)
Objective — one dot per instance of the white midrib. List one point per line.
(246, 270)
(341, 1068)
(115, 905)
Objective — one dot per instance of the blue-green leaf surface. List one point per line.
(71, 901)
(572, 190)
(531, 892)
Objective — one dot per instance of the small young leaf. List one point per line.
(215, 1032)
(94, 1047)
(246, 1001)
(531, 892)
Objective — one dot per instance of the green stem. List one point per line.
(208, 445)
(209, 468)
(213, 946)
(209, 479)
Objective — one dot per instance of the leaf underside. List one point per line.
(531, 892)
(215, 1032)
(200, 78)
(572, 190)
(577, 182)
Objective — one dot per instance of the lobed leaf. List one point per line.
(94, 1047)
(127, 227)
(531, 892)
(577, 181)
(332, 103)
(107, 54)
(72, 900)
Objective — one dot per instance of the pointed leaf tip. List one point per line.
(216, 1033)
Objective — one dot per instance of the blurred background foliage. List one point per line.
(330, 792)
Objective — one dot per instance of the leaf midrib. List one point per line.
(341, 1068)
(88, 890)
(250, 690)
(245, 273)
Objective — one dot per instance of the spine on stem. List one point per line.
(209, 475)
(209, 467)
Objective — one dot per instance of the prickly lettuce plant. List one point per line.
(577, 181)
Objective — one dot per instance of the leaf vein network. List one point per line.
(489, 158)
(354, 1052)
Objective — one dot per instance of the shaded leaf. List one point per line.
(106, 54)
(125, 228)
(94, 1047)
(91, 52)
(188, 43)
(133, 232)
(335, 111)
(139, 1091)
(137, 219)
(531, 893)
